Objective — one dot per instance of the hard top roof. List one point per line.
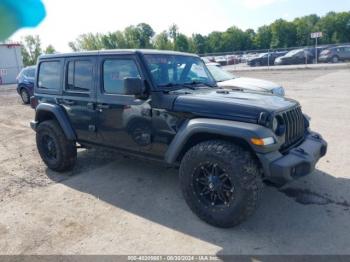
(116, 52)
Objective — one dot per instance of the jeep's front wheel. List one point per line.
(57, 152)
(221, 182)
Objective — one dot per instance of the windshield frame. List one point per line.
(160, 86)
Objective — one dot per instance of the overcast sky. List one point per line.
(66, 19)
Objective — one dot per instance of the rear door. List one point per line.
(347, 53)
(79, 96)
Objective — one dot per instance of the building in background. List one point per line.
(11, 62)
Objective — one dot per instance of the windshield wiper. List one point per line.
(197, 83)
(177, 86)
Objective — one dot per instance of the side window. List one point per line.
(301, 54)
(114, 73)
(49, 75)
(79, 76)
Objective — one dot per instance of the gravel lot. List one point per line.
(114, 205)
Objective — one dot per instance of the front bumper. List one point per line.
(298, 162)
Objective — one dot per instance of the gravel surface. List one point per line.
(115, 205)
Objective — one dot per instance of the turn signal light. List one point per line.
(262, 141)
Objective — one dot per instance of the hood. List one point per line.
(250, 84)
(231, 105)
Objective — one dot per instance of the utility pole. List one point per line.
(316, 35)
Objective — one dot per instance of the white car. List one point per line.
(225, 79)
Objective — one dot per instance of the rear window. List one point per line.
(49, 75)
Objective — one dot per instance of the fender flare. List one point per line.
(60, 116)
(227, 128)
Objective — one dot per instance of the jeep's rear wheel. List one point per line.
(221, 182)
(58, 153)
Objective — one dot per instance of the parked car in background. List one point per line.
(298, 56)
(233, 59)
(264, 59)
(207, 61)
(335, 54)
(25, 83)
(221, 60)
(225, 79)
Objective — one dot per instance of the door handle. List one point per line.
(103, 106)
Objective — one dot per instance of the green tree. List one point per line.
(199, 44)
(49, 50)
(215, 42)
(145, 35)
(304, 27)
(31, 49)
(162, 41)
(263, 38)
(233, 39)
(283, 34)
(335, 27)
(249, 39)
(173, 32)
(88, 41)
(181, 43)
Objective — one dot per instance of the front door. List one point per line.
(124, 122)
(79, 96)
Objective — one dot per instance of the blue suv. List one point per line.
(25, 83)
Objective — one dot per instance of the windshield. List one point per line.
(219, 74)
(30, 72)
(173, 70)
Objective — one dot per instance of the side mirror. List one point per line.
(133, 86)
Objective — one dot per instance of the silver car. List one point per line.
(225, 79)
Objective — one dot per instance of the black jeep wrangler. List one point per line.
(167, 106)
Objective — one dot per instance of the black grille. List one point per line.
(295, 127)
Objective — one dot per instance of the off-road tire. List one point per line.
(66, 150)
(25, 96)
(241, 167)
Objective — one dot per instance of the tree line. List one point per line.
(279, 34)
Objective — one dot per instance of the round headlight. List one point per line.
(278, 126)
(274, 125)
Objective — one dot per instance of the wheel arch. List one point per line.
(203, 136)
(198, 130)
(45, 111)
